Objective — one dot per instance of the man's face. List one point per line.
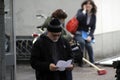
(55, 36)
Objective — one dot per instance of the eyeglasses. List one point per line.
(56, 34)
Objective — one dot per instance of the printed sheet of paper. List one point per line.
(61, 64)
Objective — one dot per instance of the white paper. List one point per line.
(61, 64)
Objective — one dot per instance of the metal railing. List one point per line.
(23, 47)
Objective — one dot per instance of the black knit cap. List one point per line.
(54, 26)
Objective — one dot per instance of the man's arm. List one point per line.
(36, 58)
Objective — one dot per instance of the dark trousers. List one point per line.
(69, 75)
(85, 45)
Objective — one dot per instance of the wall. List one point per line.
(107, 45)
(26, 11)
(107, 27)
(107, 16)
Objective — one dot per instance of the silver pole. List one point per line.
(14, 38)
(2, 42)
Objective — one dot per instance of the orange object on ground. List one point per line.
(100, 71)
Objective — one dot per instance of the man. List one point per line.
(47, 51)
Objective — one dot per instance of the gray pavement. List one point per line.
(25, 72)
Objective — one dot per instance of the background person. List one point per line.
(61, 15)
(87, 22)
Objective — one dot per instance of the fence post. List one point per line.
(2, 42)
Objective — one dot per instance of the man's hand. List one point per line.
(70, 67)
(52, 67)
(89, 39)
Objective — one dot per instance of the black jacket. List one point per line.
(82, 18)
(41, 57)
